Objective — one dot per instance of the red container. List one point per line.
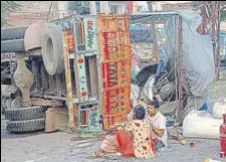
(222, 154)
(223, 135)
(192, 144)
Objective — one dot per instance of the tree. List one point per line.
(6, 8)
(222, 10)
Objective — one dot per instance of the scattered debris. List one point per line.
(192, 144)
(183, 142)
(210, 160)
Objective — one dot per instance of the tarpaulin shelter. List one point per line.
(190, 56)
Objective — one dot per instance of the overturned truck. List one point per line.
(81, 63)
(80, 66)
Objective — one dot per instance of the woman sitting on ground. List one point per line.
(140, 129)
(134, 139)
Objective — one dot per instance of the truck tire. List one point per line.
(16, 32)
(25, 125)
(16, 45)
(27, 113)
(8, 103)
(167, 91)
(17, 102)
(52, 49)
(144, 74)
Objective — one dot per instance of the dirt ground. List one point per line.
(59, 146)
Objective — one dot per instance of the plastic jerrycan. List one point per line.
(223, 135)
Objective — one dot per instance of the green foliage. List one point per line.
(6, 8)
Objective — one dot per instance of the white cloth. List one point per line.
(159, 122)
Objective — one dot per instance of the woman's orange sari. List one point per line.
(125, 143)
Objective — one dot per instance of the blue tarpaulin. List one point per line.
(140, 34)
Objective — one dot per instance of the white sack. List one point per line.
(146, 93)
(201, 124)
(219, 109)
(135, 90)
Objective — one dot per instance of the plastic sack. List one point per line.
(146, 93)
(201, 124)
(219, 109)
(135, 91)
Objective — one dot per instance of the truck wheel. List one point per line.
(17, 102)
(16, 45)
(8, 103)
(27, 113)
(52, 49)
(144, 74)
(25, 125)
(167, 91)
(6, 73)
(16, 32)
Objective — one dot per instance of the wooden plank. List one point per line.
(76, 78)
(75, 107)
(56, 119)
(180, 74)
(68, 82)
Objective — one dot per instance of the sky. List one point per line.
(143, 4)
(145, 7)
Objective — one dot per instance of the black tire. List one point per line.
(16, 45)
(16, 32)
(167, 91)
(144, 74)
(27, 113)
(52, 49)
(25, 125)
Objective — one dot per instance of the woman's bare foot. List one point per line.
(99, 153)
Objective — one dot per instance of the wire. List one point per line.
(49, 10)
